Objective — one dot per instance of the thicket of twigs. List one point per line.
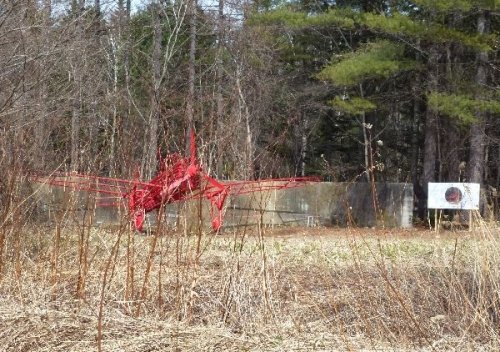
(71, 286)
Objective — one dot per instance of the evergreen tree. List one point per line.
(384, 46)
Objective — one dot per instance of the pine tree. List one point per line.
(384, 46)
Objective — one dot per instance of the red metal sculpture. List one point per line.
(177, 179)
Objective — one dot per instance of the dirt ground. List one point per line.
(418, 232)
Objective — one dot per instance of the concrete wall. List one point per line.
(326, 203)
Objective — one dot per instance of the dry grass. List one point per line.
(72, 287)
(77, 288)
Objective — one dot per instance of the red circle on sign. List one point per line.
(453, 195)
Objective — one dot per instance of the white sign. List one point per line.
(453, 196)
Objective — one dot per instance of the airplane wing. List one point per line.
(246, 187)
(119, 188)
(111, 190)
(217, 191)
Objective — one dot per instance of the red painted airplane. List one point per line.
(177, 179)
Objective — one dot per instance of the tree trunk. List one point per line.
(47, 7)
(249, 143)
(75, 123)
(114, 118)
(154, 115)
(191, 73)
(366, 142)
(219, 123)
(415, 127)
(303, 151)
(451, 140)
(120, 57)
(415, 132)
(451, 152)
(42, 128)
(477, 130)
(77, 100)
(97, 6)
(430, 147)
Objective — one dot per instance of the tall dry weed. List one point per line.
(73, 286)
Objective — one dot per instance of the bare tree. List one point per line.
(244, 115)
(151, 141)
(191, 71)
(219, 109)
(167, 23)
(77, 65)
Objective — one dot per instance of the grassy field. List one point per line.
(81, 288)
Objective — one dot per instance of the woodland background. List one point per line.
(397, 91)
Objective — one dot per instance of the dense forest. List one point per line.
(394, 91)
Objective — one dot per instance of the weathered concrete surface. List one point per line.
(326, 203)
(329, 203)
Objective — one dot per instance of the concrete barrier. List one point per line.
(326, 203)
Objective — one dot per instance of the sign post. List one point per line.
(458, 196)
